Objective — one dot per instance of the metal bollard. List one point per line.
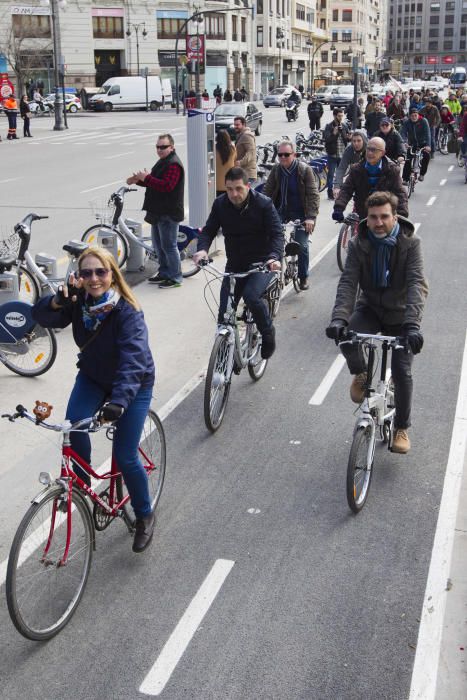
(108, 240)
(135, 261)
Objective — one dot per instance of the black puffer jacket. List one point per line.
(394, 145)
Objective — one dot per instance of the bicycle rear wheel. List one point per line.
(91, 238)
(42, 594)
(410, 186)
(31, 356)
(342, 244)
(360, 467)
(152, 452)
(28, 286)
(217, 386)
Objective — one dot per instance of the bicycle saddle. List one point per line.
(75, 248)
(7, 263)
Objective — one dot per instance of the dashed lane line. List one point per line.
(101, 187)
(443, 182)
(431, 201)
(118, 155)
(450, 169)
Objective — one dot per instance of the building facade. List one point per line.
(426, 38)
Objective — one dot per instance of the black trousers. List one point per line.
(315, 123)
(251, 288)
(365, 320)
(26, 130)
(424, 162)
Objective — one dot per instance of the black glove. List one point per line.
(111, 412)
(65, 301)
(338, 215)
(335, 330)
(413, 337)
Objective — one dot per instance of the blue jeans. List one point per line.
(164, 240)
(251, 289)
(333, 162)
(302, 238)
(85, 400)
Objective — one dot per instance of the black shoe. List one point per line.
(144, 530)
(268, 343)
(157, 279)
(169, 284)
(330, 196)
(304, 284)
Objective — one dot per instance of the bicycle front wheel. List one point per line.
(28, 286)
(410, 186)
(186, 259)
(152, 452)
(360, 467)
(90, 236)
(217, 386)
(31, 356)
(43, 593)
(342, 245)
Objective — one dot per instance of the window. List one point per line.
(243, 28)
(434, 19)
(335, 15)
(335, 36)
(259, 36)
(448, 45)
(234, 28)
(434, 7)
(270, 37)
(346, 35)
(114, 90)
(433, 32)
(324, 57)
(107, 27)
(310, 17)
(166, 28)
(214, 25)
(418, 20)
(345, 57)
(449, 19)
(419, 7)
(300, 12)
(450, 6)
(462, 44)
(418, 33)
(406, 33)
(259, 9)
(463, 31)
(432, 46)
(448, 31)
(31, 26)
(296, 41)
(346, 15)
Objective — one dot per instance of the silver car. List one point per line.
(279, 96)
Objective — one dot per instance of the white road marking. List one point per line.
(451, 168)
(317, 259)
(118, 155)
(431, 201)
(101, 187)
(9, 179)
(443, 182)
(178, 641)
(416, 227)
(327, 381)
(425, 670)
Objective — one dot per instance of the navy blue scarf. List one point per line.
(381, 256)
(374, 173)
(285, 174)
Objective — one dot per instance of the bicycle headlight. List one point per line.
(45, 478)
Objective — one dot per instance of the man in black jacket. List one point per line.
(383, 289)
(315, 112)
(336, 138)
(253, 233)
(163, 203)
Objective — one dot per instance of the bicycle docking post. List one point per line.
(108, 240)
(48, 265)
(9, 287)
(135, 260)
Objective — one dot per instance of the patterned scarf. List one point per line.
(374, 173)
(381, 256)
(285, 174)
(96, 310)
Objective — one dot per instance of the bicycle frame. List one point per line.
(374, 405)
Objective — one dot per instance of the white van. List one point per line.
(130, 93)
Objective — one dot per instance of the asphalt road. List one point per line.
(311, 602)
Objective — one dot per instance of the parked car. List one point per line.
(129, 92)
(225, 114)
(279, 96)
(73, 104)
(323, 93)
(342, 96)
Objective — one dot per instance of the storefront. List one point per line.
(108, 65)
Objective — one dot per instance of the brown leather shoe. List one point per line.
(400, 442)
(144, 530)
(357, 388)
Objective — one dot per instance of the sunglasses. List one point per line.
(284, 155)
(163, 147)
(100, 272)
(371, 149)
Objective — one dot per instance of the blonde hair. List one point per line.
(118, 281)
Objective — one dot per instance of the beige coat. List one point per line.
(222, 168)
(246, 152)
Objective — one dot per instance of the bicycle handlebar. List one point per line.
(92, 423)
(25, 223)
(352, 337)
(256, 267)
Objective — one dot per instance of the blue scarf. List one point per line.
(285, 174)
(96, 310)
(374, 173)
(381, 255)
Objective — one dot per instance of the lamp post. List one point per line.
(280, 38)
(59, 101)
(309, 44)
(333, 48)
(137, 28)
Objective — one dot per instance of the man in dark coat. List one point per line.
(336, 139)
(315, 112)
(373, 118)
(384, 269)
(416, 132)
(375, 173)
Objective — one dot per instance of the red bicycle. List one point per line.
(51, 554)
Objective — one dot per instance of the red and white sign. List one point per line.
(195, 47)
(448, 59)
(432, 59)
(6, 87)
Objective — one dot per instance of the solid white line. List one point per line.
(416, 227)
(118, 155)
(425, 670)
(317, 259)
(443, 182)
(9, 179)
(451, 168)
(100, 187)
(430, 201)
(327, 382)
(181, 394)
(178, 641)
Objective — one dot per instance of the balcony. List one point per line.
(320, 34)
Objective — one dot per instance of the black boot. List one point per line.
(144, 531)
(268, 343)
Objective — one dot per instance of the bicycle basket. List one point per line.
(10, 246)
(103, 210)
(292, 248)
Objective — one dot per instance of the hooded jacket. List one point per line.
(403, 300)
(350, 157)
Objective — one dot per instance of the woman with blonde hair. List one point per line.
(226, 155)
(116, 370)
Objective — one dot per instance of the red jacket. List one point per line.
(446, 117)
(463, 126)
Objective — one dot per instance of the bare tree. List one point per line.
(24, 54)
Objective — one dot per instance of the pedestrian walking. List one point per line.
(10, 106)
(226, 155)
(227, 96)
(315, 112)
(25, 116)
(217, 93)
(163, 203)
(245, 144)
(238, 97)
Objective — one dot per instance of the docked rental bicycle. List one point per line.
(347, 231)
(375, 416)
(51, 554)
(237, 345)
(187, 239)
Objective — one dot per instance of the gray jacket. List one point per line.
(349, 157)
(307, 187)
(403, 301)
(246, 152)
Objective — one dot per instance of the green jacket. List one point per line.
(307, 188)
(454, 106)
(403, 301)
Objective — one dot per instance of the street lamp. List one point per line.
(333, 48)
(59, 101)
(136, 28)
(309, 44)
(280, 38)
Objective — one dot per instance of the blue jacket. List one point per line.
(118, 359)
